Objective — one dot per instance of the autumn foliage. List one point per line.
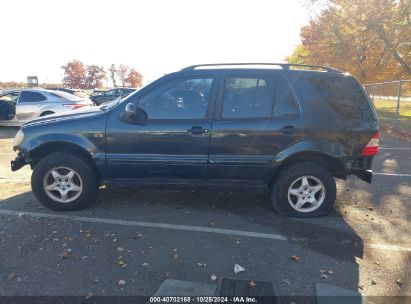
(371, 39)
(79, 76)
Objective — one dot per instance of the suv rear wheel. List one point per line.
(64, 181)
(303, 189)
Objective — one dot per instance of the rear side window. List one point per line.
(258, 97)
(343, 94)
(31, 97)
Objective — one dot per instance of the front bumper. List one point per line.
(18, 163)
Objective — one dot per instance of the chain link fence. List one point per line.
(392, 100)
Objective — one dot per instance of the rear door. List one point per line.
(256, 118)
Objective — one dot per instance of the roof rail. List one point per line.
(284, 66)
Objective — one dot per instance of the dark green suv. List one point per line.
(290, 128)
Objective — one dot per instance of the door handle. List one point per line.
(197, 130)
(287, 130)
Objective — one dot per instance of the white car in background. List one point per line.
(20, 106)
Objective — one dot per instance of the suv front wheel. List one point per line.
(64, 181)
(303, 189)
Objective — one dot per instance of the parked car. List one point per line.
(288, 130)
(20, 106)
(111, 95)
(77, 92)
(97, 92)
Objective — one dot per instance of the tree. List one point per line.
(369, 38)
(134, 79)
(74, 74)
(94, 76)
(113, 72)
(122, 73)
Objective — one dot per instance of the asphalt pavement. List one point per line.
(140, 237)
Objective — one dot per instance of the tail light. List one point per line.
(372, 147)
(74, 106)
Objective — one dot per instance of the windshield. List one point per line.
(111, 104)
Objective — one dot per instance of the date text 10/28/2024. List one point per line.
(187, 299)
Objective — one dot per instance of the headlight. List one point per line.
(18, 139)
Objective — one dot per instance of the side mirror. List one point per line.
(130, 111)
(134, 113)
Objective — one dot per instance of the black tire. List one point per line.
(63, 159)
(46, 113)
(289, 174)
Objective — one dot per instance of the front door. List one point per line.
(172, 144)
(256, 118)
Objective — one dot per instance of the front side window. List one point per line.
(258, 97)
(178, 99)
(31, 97)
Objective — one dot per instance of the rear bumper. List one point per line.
(360, 167)
(365, 175)
(18, 163)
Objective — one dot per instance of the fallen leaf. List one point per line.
(121, 283)
(64, 254)
(361, 287)
(213, 277)
(11, 275)
(286, 281)
(238, 268)
(296, 258)
(252, 284)
(373, 282)
(370, 208)
(89, 296)
(121, 263)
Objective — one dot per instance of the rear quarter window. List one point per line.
(343, 94)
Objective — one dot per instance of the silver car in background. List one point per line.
(20, 106)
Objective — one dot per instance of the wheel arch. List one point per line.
(48, 148)
(46, 112)
(332, 164)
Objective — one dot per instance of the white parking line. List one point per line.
(388, 247)
(381, 148)
(149, 225)
(392, 174)
(222, 231)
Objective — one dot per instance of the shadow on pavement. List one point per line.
(324, 244)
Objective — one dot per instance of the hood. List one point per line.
(67, 115)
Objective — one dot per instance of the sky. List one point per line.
(153, 36)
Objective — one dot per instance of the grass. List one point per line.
(386, 109)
